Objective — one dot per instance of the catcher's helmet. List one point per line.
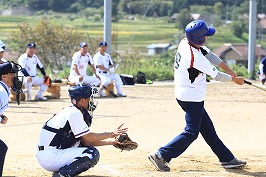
(197, 30)
(80, 91)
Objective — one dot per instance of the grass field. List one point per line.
(143, 32)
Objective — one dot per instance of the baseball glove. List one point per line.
(125, 143)
(47, 81)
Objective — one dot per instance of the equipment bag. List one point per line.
(141, 78)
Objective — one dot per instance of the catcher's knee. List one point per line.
(82, 163)
(95, 155)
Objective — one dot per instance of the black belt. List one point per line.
(105, 72)
(41, 148)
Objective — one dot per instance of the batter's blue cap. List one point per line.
(31, 45)
(83, 44)
(6, 68)
(197, 30)
(102, 44)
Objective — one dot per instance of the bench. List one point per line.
(109, 87)
(53, 92)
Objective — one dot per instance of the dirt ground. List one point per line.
(153, 118)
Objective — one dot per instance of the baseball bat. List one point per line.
(111, 92)
(255, 85)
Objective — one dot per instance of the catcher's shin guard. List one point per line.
(81, 164)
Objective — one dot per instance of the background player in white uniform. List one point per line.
(192, 63)
(80, 62)
(66, 143)
(262, 70)
(29, 63)
(103, 62)
(7, 75)
(2, 51)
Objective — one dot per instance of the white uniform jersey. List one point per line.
(71, 115)
(4, 95)
(30, 63)
(104, 60)
(189, 57)
(81, 62)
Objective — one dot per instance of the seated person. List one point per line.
(29, 63)
(103, 63)
(80, 62)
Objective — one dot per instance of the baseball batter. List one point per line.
(66, 145)
(2, 51)
(29, 63)
(80, 62)
(103, 62)
(192, 63)
(262, 70)
(8, 76)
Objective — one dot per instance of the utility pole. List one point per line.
(252, 38)
(108, 24)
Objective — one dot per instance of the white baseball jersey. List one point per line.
(104, 60)
(189, 57)
(4, 95)
(81, 62)
(69, 114)
(30, 63)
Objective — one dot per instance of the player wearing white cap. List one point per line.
(78, 70)
(103, 63)
(29, 63)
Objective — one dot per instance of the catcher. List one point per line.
(66, 145)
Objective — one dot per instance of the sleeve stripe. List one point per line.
(192, 58)
(78, 135)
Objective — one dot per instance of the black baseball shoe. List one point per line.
(158, 162)
(235, 163)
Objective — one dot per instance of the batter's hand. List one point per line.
(238, 80)
(118, 131)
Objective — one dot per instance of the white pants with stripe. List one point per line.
(52, 159)
(37, 81)
(107, 78)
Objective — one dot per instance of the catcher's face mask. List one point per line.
(17, 81)
(92, 104)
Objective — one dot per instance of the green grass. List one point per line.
(145, 32)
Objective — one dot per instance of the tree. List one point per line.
(238, 28)
(55, 43)
(179, 5)
(183, 18)
(218, 8)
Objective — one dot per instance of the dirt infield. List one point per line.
(153, 118)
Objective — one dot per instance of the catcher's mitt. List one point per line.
(125, 143)
(47, 81)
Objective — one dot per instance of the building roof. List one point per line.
(262, 23)
(153, 46)
(240, 49)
